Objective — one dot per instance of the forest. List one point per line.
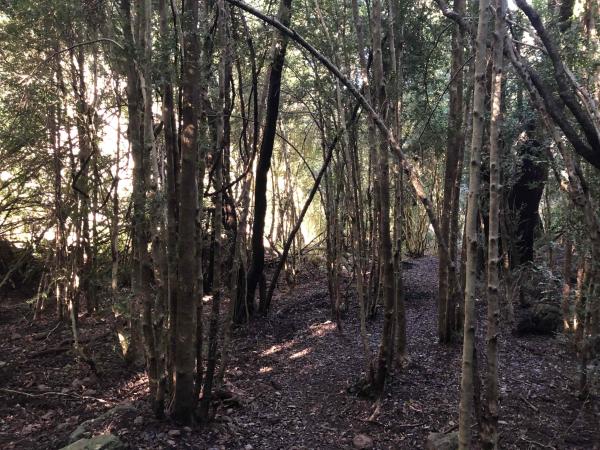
(299, 224)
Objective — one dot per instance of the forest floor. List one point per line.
(293, 376)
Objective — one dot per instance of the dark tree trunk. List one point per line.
(255, 274)
(524, 197)
(185, 352)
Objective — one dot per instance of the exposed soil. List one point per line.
(294, 376)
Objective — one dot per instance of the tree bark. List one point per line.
(135, 137)
(490, 425)
(385, 241)
(222, 149)
(467, 378)
(172, 168)
(446, 307)
(185, 400)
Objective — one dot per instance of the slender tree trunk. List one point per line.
(134, 134)
(222, 149)
(490, 425)
(172, 169)
(358, 239)
(114, 237)
(81, 181)
(145, 201)
(446, 307)
(395, 92)
(385, 241)
(255, 273)
(566, 292)
(59, 269)
(467, 378)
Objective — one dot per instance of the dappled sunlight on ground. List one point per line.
(301, 353)
(321, 329)
(277, 348)
(292, 381)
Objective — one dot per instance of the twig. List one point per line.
(563, 434)
(539, 444)
(65, 345)
(79, 44)
(376, 412)
(64, 394)
(52, 331)
(531, 405)
(413, 425)
(450, 429)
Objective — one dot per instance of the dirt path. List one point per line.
(293, 374)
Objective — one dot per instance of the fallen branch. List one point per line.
(531, 405)
(63, 394)
(376, 412)
(539, 444)
(65, 345)
(50, 351)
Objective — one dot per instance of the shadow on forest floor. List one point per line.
(292, 374)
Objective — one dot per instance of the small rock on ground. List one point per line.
(362, 441)
(442, 441)
(102, 442)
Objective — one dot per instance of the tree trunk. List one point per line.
(447, 267)
(566, 292)
(134, 134)
(222, 149)
(185, 400)
(467, 378)
(490, 425)
(172, 169)
(385, 241)
(255, 273)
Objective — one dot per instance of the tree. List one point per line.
(467, 376)
(447, 307)
(385, 241)
(255, 272)
(188, 292)
(490, 426)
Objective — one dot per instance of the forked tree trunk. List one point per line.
(371, 287)
(577, 187)
(395, 91)
(447, 269)
(490, 426)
